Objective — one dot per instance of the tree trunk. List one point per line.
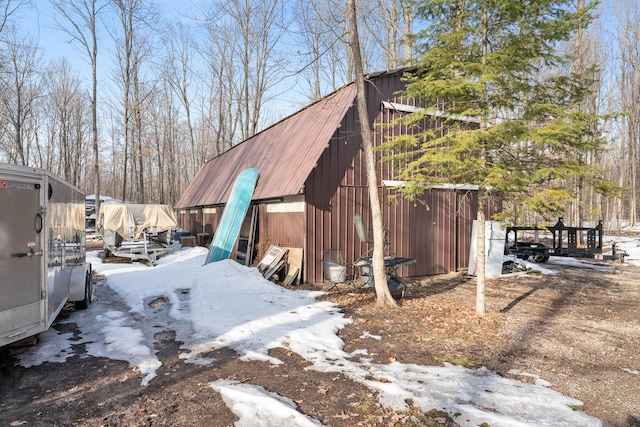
(384, 298)
(94, 109)
(481, 304)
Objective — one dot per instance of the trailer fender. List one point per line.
(78, 281)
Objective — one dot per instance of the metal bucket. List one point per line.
(334, 272)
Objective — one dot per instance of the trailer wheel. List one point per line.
(541, 258)
(84, 303)
(544, 257)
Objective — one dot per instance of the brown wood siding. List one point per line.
(195, 221)
(191, 221)
(425, 230)
(334, 191)
(211, 220)
(280, 229)
(184, 220)
(435, 230)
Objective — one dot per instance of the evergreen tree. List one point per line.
(491, 70)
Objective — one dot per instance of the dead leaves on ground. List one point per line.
(432, 324)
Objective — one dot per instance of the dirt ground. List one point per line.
(579, 330)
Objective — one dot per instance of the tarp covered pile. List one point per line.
(131, 220)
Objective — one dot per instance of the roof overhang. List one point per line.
(463, 187)
(410, 109)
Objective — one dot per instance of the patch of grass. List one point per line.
(440, 358)
(461, 361)
(494, 316)
(377, 415)
(465, 361)
(368, 404)
(414, 417)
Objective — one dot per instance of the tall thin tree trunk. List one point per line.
(94, 109)
(481, 305)
(408, 10)
(384, 298)
(634, 140)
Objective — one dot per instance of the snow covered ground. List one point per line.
(631, 245)
(225, 304)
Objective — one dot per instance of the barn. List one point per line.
(313, 180)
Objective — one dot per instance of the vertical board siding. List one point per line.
(211, 220)
(195, 221)
(281, 229)
(431, 231)
(435, 230)
(183, 220)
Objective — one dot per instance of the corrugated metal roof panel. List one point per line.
(285, 154)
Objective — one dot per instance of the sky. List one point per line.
(39, 22)
(227, 305)
(289, 95)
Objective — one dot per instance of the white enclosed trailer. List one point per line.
(42, 251)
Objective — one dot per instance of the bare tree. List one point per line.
(390, 23)
(114, 152)
(246, 34)
(21, 86)
(218, 107)
(628, 14)
(78, 19)
(125, 57)
(316, 38)
(322, 46)
(67, 124)
(136, 20)
(164, 120)
(325, 57)
(180, 67)
(384, 298)
(583, 62)
(8, 8)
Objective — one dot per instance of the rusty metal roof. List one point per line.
(284, 154)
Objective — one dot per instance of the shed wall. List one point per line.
(286, 229)
(190, 220)
(199, 220)
(436, 230)
(210, 219)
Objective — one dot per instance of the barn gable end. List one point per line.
(313, 180)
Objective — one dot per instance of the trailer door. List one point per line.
(21, 223)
